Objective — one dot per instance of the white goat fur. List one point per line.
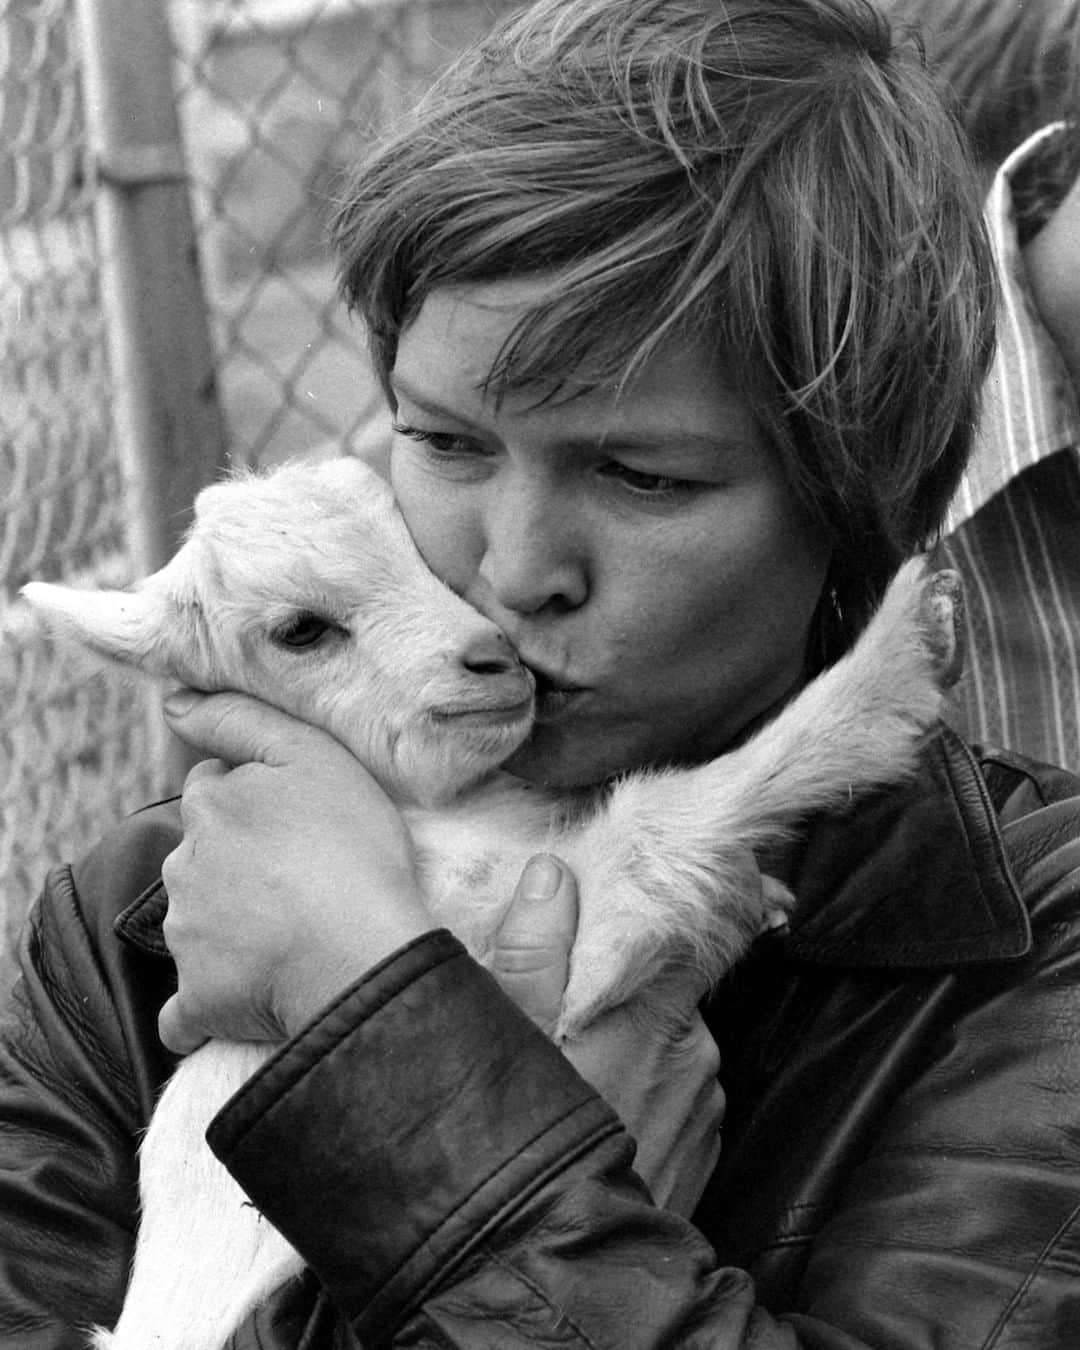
(657, 858)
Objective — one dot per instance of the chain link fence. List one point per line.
(274, 97)
(72, 751)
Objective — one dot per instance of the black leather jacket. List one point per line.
(901, 1162)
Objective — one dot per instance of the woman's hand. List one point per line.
(294, 877)
(656, 1065)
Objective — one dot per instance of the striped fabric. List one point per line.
(1015, 529)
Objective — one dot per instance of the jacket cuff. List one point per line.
(416, 1114)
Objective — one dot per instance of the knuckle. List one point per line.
(172, 933)
(200, 771)
(524, 958)
(710, 1059)
(202, 778)
(192, 805)
(202, 794)
(171, 870)
(705, 1051)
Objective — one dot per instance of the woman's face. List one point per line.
(644, 552)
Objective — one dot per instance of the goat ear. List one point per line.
(129, 628)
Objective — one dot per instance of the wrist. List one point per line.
(318, 977)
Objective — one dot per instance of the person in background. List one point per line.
(1012, 74)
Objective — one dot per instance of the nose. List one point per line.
(532, 558)
(490, 654)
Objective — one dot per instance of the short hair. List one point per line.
(773, 177)
(1008, 68)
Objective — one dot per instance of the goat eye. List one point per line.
(304, 630)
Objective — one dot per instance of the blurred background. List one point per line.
(167, 311)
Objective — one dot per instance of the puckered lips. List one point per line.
(555, 697)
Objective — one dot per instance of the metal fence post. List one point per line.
(166, 408)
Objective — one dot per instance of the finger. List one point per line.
(532, 947)
(192, 796)
(942, 615)
(206, 769)
(778, 901)
(237, 728)
(171, 866)
(175, 1033)
(668, 1010)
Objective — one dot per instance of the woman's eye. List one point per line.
(439, 442)
(646, 484)
(304, 630)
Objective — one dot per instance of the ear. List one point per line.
(128, 628)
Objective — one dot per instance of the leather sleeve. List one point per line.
(453, 1182)
(79, 1066)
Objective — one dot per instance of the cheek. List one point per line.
(748, 600)
(785, 556)
(441, 526)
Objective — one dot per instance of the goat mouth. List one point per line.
(471, 715)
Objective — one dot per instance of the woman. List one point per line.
(681, 307)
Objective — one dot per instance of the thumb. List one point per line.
(236, 727)
(532, 947)
(174, 1032)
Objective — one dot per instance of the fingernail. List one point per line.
(541, 878)
(180, 701)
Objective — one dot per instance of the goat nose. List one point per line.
(489, 655)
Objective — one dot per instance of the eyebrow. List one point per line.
(402, 387)
(656, 440)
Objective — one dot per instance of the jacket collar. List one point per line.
(140, 924)
(914, 877)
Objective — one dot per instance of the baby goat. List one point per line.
(303, 587)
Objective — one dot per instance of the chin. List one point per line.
(550, 762)
(557, 758)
